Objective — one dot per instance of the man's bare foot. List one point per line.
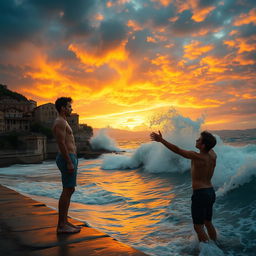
(67, 229)
(74, 226)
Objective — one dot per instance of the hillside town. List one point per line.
(25, 129)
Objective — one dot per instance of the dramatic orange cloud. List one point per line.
(98, 59)
(195, 49)
(199, 13)
(243, 44)
(246, 18)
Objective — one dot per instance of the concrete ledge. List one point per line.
(28, 227)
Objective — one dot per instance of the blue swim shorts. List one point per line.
(202, 204)
(68, 178)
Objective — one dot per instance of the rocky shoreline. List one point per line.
(37, 158)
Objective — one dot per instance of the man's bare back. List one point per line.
(202, 170)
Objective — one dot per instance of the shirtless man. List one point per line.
(202, 169)
(67, 162)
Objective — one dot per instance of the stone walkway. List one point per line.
(28, 228)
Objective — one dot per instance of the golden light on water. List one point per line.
(144, 199)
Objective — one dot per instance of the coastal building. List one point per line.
(45, 114)
(15, 111)
(22, 105)
(32, 150)
(16, 120)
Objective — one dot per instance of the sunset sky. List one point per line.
(123, 60)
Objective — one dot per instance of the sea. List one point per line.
(141, 194)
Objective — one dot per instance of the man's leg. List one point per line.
(64, 203)
(202, 236)
(211, 230)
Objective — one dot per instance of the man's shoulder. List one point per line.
(213, 154)
(59, 122)
(195, 155)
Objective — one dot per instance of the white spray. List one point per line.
(103, 142)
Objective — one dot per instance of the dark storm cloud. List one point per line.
(246, 30)
(74, 12)
(206, 3)
(61, 53)
(74, 15)
(32, 21)
(18, 23)
(112, 33)
(107, 36)
(158, 17)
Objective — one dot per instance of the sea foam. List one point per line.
(103, 141)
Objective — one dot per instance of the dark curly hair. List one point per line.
(62, 102)
(208, 140)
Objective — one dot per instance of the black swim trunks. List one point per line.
(202, 202)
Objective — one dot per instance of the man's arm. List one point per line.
(60, 134)
(184, 153)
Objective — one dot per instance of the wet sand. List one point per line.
(28, 228)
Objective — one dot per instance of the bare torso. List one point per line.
(202, 170)
(61, 125)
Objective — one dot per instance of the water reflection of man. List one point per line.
(66, 161)
(202, 169)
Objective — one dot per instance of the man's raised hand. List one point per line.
(156, 136)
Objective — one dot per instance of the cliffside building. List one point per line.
(15, 111)
(16, 120)
(45, 114)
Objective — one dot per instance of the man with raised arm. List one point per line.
(202, 169)
(67, 162)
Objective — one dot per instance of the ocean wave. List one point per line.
(103, 142)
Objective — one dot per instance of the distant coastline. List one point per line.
(248, 135)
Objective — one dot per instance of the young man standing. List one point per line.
(66, 161)
(202, 169)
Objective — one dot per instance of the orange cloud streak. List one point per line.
(243, 44)
(246, 18)
(94, 59)
(200, 15)
(195, 49)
